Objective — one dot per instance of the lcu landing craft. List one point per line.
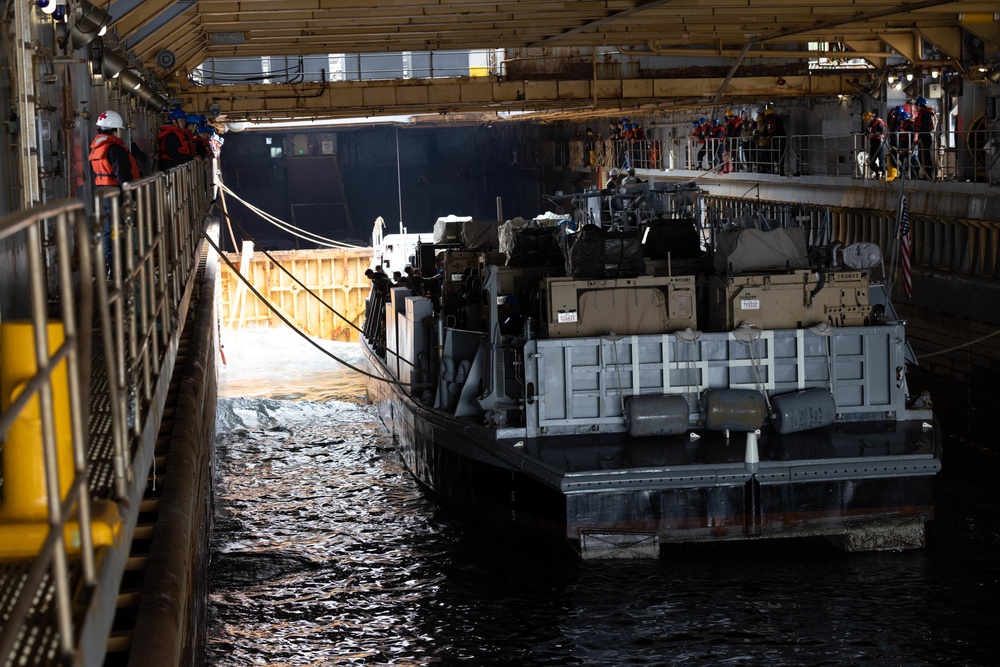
(634, 377)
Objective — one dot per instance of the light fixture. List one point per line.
(112, 64)
(909, 76)
(47, 6)
(897, 85)
(129, 81)
(952, 85)
(935, 73)
(891, 79)
(151, 98)
(89, 23)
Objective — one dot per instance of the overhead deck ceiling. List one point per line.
(744, 31)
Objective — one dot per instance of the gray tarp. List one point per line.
(742, 250)
(478, 235)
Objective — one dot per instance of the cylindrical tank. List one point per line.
(657, 415)
(25, 496)
(734, 409)
(803, 410)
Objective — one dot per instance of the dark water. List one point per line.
(326, 553)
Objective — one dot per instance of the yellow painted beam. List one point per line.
(947, 39)
(906, 44)
(140, 16)
(347, 99)
(988, 32)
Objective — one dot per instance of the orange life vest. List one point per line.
(183, 135)
(104, 171)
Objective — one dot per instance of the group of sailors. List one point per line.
(182, 138)
(741, 143)
(629, 146)
(902, 146)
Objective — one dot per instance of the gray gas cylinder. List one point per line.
(657, 415)
(734, 409)
(803, 410)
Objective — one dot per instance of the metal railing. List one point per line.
(954, 244)
(972, 156)
(135, 307)
(55, 224)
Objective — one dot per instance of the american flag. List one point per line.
(904, 241)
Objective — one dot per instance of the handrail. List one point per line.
(956, 244)
(28, 228)
(155, 229)
(972, 155)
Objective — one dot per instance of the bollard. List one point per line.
(24, 511)
(24, 494)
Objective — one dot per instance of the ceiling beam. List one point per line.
(347, 99)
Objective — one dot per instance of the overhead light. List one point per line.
(952, 85)
(112, 64)
(129, 81)
(47, 6)
(909, 76)
(151, 99)
(89, 23)
(897, 85)
(935, 73)
(891, 79)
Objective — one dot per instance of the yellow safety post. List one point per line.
(24, 513)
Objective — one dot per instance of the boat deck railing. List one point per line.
(85, 351)
(971, 156)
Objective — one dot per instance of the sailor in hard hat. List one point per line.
(112, 165)
(174, 147)
(875, 128)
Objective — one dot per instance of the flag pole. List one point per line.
(890, 279)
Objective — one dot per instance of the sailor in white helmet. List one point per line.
(112, 164)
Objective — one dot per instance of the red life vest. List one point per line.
(104, 171)
(925, 120)
(183, 136)
(876, 129)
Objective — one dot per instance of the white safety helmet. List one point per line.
(110, 120)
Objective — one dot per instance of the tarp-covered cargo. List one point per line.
(449, 228)
(599, 253)
(480, 235)
(742, 250)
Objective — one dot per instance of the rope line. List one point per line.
(302, 333)
(287, 227)
(305, 287)
(749, 335)
(959, 347)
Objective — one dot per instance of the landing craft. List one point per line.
(663, 381)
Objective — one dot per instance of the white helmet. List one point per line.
(110, 120)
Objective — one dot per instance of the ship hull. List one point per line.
(637, 494)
